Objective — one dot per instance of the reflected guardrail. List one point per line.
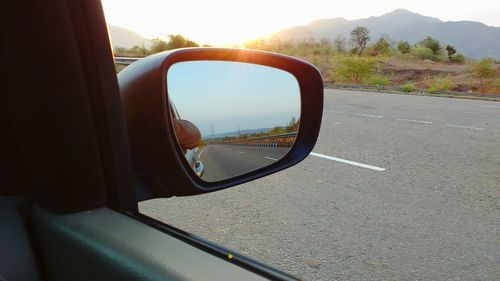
(126, 60)
(281, 140)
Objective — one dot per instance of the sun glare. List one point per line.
(206, 22)
(224, 22)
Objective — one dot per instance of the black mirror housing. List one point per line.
(157, 157)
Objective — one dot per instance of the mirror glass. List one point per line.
(232, 118)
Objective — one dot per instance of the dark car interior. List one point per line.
(68, 205)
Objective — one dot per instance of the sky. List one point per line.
(232, 95)
(227, 22)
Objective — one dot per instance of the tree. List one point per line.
(382, 46)
(432, 44)
(139, 51)
(158, 45)
(277, 131)
(404, 47)
(178, 41)
(293, 126)
(339, 43)
(190, 44)
(174, 42)
(119, 51)
(359, 36)
(451, 51)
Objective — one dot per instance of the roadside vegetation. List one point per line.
(174, 41)
(292, 127)
(427, 66)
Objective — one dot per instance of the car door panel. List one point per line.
(102, 244)
(17, 259)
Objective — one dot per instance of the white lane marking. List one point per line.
(199, 155)
(368, 115)
(415, 121)
(270, 158)
(490, 106)
(348, 162)
(241, 152)
(333, 111)
(464, 127)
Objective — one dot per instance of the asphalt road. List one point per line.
(227, 161)
(432, 212)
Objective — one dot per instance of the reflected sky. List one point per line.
(232, 95)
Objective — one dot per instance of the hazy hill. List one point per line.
(473, 39)
(121, 37)
(235, 133)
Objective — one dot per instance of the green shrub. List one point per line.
(302, 52)
(382, 46)
(379, 80)
(257, 44)
(327, 50)
(440, 84)
(458, 58)
(316, 51)
(446, 84)
(354, 51)
(407, 88)
(332, 77)
(432, 44)
(483, 69)
(355, 69)
(494, 83)
(432, 90)
(422, 53)
(404, 47)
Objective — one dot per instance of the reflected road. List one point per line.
(223, 161)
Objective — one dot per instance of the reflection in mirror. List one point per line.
(247, 115)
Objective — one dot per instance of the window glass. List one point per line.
(404, 182)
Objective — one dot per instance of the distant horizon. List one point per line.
(232, 95)
(319, 19)
(315, 20)
(233, 132)
(399, 9)
(230, 27)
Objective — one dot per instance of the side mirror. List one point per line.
(204, 119)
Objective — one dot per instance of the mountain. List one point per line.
(473, 39)
(121, 37)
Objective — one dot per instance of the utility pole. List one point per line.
(213, 134)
